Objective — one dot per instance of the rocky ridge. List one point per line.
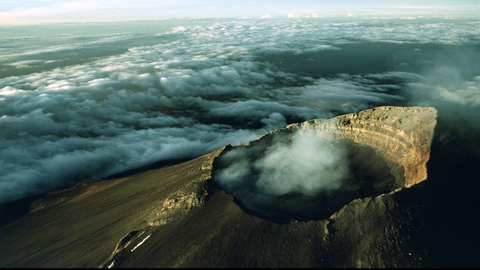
(402, 135)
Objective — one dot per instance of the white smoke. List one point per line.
(308, 165)
(289, 176)
(303, 163)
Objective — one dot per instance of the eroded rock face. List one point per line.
(402, 135)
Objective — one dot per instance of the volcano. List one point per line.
(181, 215)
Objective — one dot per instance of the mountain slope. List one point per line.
(176, 216)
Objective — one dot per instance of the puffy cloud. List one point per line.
(184, 93)
(253, 109)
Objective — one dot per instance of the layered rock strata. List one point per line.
(402, 135)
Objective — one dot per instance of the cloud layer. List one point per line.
(108, 104)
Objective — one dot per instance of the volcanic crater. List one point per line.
(386, 149)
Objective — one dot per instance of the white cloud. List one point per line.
(198, 89)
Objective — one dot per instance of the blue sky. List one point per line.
(44, 11)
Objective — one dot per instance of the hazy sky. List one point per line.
(44, 11)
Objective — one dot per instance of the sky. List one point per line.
(48, 11)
